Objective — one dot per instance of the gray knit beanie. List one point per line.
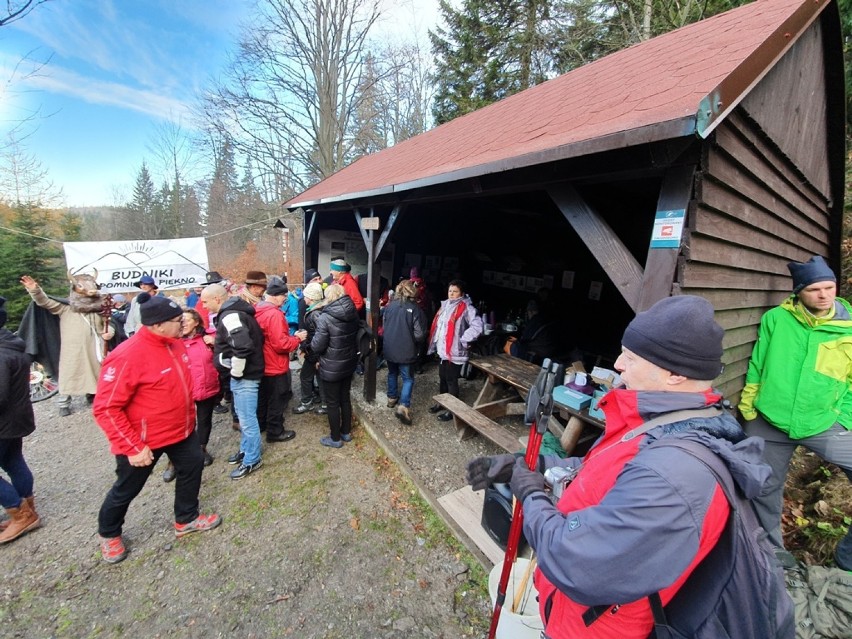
(680, 335)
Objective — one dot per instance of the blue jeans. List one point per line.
(394, 370)
(12, 461)
(245, 401)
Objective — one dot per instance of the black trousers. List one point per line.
(307, 375)
(448, 377)
(272, 400)
(188, 462)
(204, 417)
(339, 407)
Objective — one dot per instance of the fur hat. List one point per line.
(145, 279)
(2, 311)
(814, 270)
(340, 265)
(276, 286)
(155, 310)
(313, 291)
(311, 274)
(680, 335)
(256, 277)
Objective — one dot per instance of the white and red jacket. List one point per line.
(205, 377)
(277, 341)
(638, 518)
(144, 394)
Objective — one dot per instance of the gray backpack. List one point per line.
(737, 591)
(823, 600)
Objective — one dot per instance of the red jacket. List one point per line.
(205, 377)
(350, 285)
(144, 394)
(277, 341)
(635, 520)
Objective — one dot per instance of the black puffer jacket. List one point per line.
(334, 340)
(239, 340)
(16, 411)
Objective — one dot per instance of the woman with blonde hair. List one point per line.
(404, 330)
(334, 342)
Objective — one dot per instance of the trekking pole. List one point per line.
(539, 409)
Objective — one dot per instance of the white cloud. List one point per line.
(61, 81)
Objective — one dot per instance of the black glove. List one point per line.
(483, 471)
(525, 481)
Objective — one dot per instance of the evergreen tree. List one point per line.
(26, 251)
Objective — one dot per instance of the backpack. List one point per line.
(823, 601)
(738, 590)
(364, 340)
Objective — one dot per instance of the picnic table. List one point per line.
(507, 385)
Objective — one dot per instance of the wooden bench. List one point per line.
(468, 417)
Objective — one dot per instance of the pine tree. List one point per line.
(26, 251)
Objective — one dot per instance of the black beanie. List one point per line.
(2, 311)
(155, 310)
(814, 270)
(680, 335)
(276, 286)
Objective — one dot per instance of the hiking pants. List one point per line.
(833, 445)
(337, 394)
(448, 377)
(130, 480)
(272, 400)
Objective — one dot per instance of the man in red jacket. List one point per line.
(340, 273)
(144, 405)
(276, 387)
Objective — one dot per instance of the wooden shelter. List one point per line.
(701, 161)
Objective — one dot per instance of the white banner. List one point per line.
(180, 263)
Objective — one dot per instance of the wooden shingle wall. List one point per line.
(761, 200)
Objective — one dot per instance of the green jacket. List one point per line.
(800, 370)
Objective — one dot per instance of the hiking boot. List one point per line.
(403, 414)
(113, 549)
(285, 436)
(322, 410)
(328, 441)
(246, 469)
(208, 458)
(199, 524)
(169, 473)
(302, 408)
(445, 416)
(347, 437)
(31, 501)
(435, 408)
(64, 411)
(23, 519)
(236, 458)
(392, 401)
(219, 409)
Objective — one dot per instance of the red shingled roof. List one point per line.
(669, 86)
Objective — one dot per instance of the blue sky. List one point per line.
(117, 71)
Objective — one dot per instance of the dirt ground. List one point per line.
(319, 543)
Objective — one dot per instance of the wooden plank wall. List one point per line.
(753, 213)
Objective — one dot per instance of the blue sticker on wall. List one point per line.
(668, 229)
